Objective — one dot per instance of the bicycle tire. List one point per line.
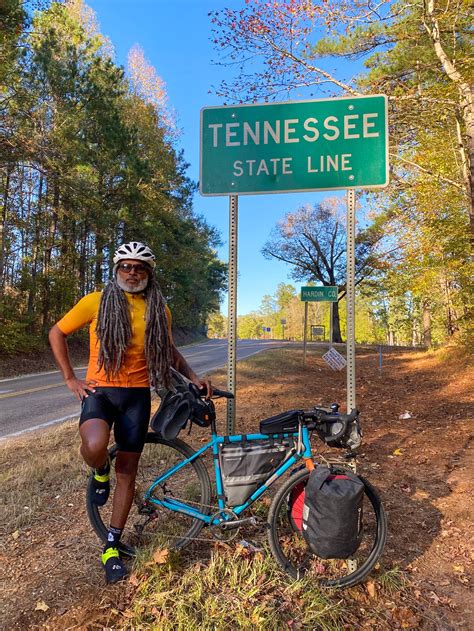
(293, 555)
(172, 451)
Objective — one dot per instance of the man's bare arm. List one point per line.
(79, 387)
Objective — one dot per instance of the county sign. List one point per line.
(294, 146)
(319, 294)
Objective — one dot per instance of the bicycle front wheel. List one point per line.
(293, 554)
(148, 525)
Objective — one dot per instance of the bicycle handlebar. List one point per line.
(222, 393)
(216, 393)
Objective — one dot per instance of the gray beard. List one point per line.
(132, 289)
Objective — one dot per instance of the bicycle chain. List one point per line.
(201, 505)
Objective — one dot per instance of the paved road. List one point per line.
(35, 401)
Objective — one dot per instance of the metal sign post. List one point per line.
(232, 311)
(304, 332)
(350, 302)
(331, 328)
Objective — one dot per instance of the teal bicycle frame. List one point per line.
(216, 440)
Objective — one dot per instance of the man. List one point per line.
(131, 349)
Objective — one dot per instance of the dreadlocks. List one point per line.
(114, 331)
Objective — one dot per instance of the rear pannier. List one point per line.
(246, 465)
(332, 513)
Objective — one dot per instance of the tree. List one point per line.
(284, 295)
(87, 161)
(313, 241)
(275, 48)
(250, 326)
(419, 54)
(216, 325)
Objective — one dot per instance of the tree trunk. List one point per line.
(451, 324)
(83, 261)
(3, 225)
(99, 259)
(35, 250)
(426, 324)
(415, 340)
(466, 104)
(336, 325)
(47, 259)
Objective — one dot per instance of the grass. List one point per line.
(234, 589)
(393, 580)
(35, 472)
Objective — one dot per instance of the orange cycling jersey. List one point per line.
(133, 372)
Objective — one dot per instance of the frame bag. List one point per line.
(332, 513)
(246, 465)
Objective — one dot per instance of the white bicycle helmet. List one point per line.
(136, 251)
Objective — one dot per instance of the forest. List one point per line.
(414, 264)
(89, 159)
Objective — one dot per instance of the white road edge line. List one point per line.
(41, 425)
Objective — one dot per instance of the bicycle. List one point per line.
(173, 496)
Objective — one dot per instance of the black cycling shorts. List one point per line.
(127, 409)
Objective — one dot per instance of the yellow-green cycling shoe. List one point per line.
(99, 488)
(114, 567)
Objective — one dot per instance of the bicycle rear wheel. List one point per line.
(146, 524)
(293, 554)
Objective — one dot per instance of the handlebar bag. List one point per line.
(246, 465)
(351, 439)
(332, 513)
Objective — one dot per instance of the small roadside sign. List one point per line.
(283, 321)
(334, 359)
(317, 329)
(319, 294)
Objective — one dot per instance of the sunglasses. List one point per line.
(129, 267)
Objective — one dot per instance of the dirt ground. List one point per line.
(421, 464)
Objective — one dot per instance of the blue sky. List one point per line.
(175, 36)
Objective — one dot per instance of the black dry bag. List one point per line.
(332, 513)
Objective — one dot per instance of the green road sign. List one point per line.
(294, 146)
(319, 294)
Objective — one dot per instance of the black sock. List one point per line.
(105, 468)
(113, 537)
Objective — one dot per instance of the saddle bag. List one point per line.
(246, 465)
(332, 513)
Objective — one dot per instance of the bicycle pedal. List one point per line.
(146, 509)
(258, 522)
